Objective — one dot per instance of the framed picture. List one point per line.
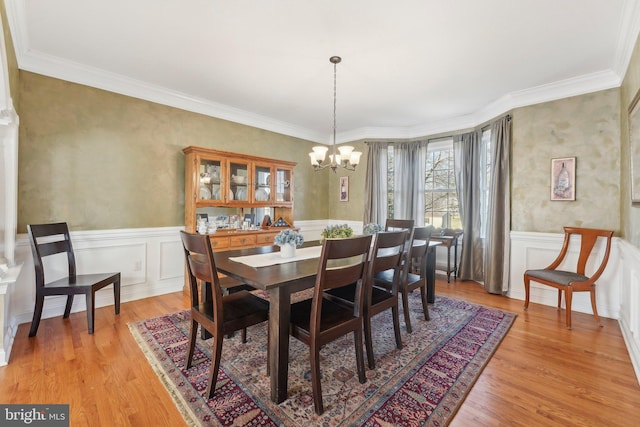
(634, 147)
(344, 188)
(563, 178)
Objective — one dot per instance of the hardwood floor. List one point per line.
(542, 374)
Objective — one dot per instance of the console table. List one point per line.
(449, 239)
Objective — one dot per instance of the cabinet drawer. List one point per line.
(266, 239)
(219, 243)
(242, 241)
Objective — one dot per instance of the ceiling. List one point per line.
(409, 68)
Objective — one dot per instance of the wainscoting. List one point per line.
(618, 295)
(151, 263)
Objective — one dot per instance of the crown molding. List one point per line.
(627, 37)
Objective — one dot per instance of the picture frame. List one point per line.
(563, 179)
(634, 148)
(344, 189)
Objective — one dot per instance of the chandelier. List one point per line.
(347, 159)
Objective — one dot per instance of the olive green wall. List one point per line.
(630, 213)
(586, 127)
(101, 160)
(353, 209)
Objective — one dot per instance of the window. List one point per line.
(440, 198)
(485, 184)
(441, 201)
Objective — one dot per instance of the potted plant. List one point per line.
(288, 240)
(340, 231)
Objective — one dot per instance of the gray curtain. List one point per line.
(409, 160)
(486, 221)
(499, 210)
(468, 156)
(375, 208)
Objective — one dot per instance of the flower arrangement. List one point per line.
(340, 231)
(372, 228)
(288, 236)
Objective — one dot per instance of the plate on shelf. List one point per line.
(280, 197)
(230, 194)
(205, 193)
(241, 194)
(262, 195)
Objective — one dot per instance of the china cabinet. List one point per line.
(233, 192)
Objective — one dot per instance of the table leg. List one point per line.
(279, 315)
(449, 264)
(431, 274)
(455, 259)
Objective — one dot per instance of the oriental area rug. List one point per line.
(423, 384)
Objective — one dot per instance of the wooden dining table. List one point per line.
(280, 281)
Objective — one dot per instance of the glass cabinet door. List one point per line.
(284, 189)
(238, 178)
(261, 183)
(210, 178)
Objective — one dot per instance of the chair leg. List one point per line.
(405, 307)
(568, 296)
(67, 308)
(193, 331)
(368, 341)
(559, 299)
(215, 363)
(244, 336)
(91, 308)
(357, 336)
(396, 326)
(268, 352)
(593, 305)
(116, 294)
(425, 305)
(37, 313)
(316, 387)
(527, 285)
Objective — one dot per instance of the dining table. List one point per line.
(280, 281)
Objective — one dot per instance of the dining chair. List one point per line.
(386, 255)
(410, 280)
(51, 239)
(319, 320)
(400, 224)
(569, 281)
(222, 314)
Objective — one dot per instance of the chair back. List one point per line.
(201, 266)
(387, 252)
(400, 224)
(50, 239)
(588, 239)
(342, 263)
(419, 252)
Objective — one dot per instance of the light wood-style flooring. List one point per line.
(541, 375)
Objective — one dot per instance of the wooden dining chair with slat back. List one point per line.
(386, 256)
(51, 239)
(569, 281)
(222, 314)
(414, 274)
(319, 320)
